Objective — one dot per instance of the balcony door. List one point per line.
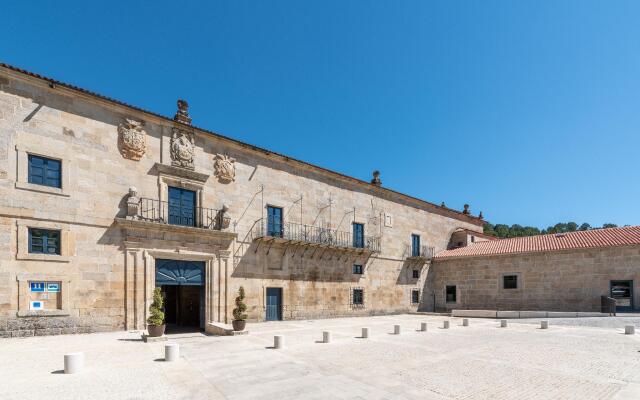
(415, 245)
(274, 221)
(182, 207)
(358, 235)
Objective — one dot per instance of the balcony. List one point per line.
(305, 235)
(420, 253)
(162, 212)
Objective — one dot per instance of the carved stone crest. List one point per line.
(225, 169)
(182, 148)
(133, 139)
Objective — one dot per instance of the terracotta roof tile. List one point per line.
(609, 237)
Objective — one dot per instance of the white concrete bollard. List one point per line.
(326, 337)
(630, 330)
(445, 325)
(544, 324)
(465, 322)
(396, 329)
(73, 363)
(278, 342)
(503, 323)
(365, 333)
(423, 327)
(171, 351)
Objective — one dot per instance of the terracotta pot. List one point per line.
(156, 330)
(238, 324)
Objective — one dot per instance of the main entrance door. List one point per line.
(182, 285)
(274, 304)
(622, 291)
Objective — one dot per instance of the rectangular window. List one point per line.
(45, 171)
(415, 296)
(357, 269)
(358, 297)
(182, 207)
(415, 245)
(450, 294)
(510, 282)
(43, 241)
(416, 273)
(274, 221)
(358, 235)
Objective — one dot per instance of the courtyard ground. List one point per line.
(573, 359)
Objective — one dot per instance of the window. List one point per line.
(182, 207)
(416, 273)
(357, 269)
(358, 235)
(274, 221)
(450, 294)
(358, 297)
(45, 171)
(42, 241)
(415, 245)
(510, 282)
(415, 296)
(473, 239)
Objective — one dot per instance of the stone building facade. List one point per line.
(557, 272)
(100, 202)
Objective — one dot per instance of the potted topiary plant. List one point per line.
(239, 315)
(155, 322)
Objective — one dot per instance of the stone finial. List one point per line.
(376, 178)
(466, 209)
(133, 203)
(182, 115)
(223, 218)
(480, 215)
(443, 205)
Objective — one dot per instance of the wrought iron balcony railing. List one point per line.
(422, 251)
(314, 235)
(163, 212)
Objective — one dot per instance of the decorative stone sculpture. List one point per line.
(465, 211)
(225, 168)
(133, 139)
(223, 218)
(182, 115)
(133, 203)
(182, 148)
(376, 179)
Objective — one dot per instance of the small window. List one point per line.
(510, 282)
(42, 241)
(358, 297)
(473, 239)
(45, 171)
(451, 294)
(358, 235)
(460, 244)
(357, 269)
(416, 273)
(415, 296)
(415, 245)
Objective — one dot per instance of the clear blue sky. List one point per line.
(527, 110)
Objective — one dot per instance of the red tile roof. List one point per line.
(609, 237)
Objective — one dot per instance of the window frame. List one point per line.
(415, 245)
(268, 230)
(413, 299)
(67, 169)
(358, 269)
(358, 235)
(508, 276)
(415, 273)
(45, 241)
(446, 294)
(47, 167)
(353, 297)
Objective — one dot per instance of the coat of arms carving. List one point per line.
(182, 148)
(225, 169)
(133, 139)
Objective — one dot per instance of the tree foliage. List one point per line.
(515, 230)
(156, 316)
(239, 312)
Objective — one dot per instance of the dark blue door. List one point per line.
(274, 304)
(358, 235)
(415, 246)
(179, 272)
(182, 206)
(274, 221)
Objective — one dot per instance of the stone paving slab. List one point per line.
(481, 361)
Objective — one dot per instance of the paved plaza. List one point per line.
(568, 361)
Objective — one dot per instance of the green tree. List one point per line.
(239, 312)
(609, 225)
(584, 227)
(156, 316)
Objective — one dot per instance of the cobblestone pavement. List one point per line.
(481, 361)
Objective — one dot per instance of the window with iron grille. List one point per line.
(357, 269)
(357, 297)
(416, 273)
(450, 292)
(415, 296)
(45, 171)
(510, 282)
(43, 241)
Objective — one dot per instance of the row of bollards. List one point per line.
(74, 362)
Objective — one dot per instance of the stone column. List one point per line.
(130, 264)
(224, 271)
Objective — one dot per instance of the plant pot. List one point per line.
(156, 330)
(238, 324)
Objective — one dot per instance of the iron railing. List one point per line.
(423, 251)
(314, 234)
(163, 212)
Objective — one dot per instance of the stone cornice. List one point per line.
(186, 230)
(181, 172)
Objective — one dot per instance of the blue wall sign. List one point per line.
(37, 286)
(53, 287)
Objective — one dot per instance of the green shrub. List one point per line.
(157, 316)
(239, 312)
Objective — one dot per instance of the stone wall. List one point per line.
(106, 283)
(550, 281)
